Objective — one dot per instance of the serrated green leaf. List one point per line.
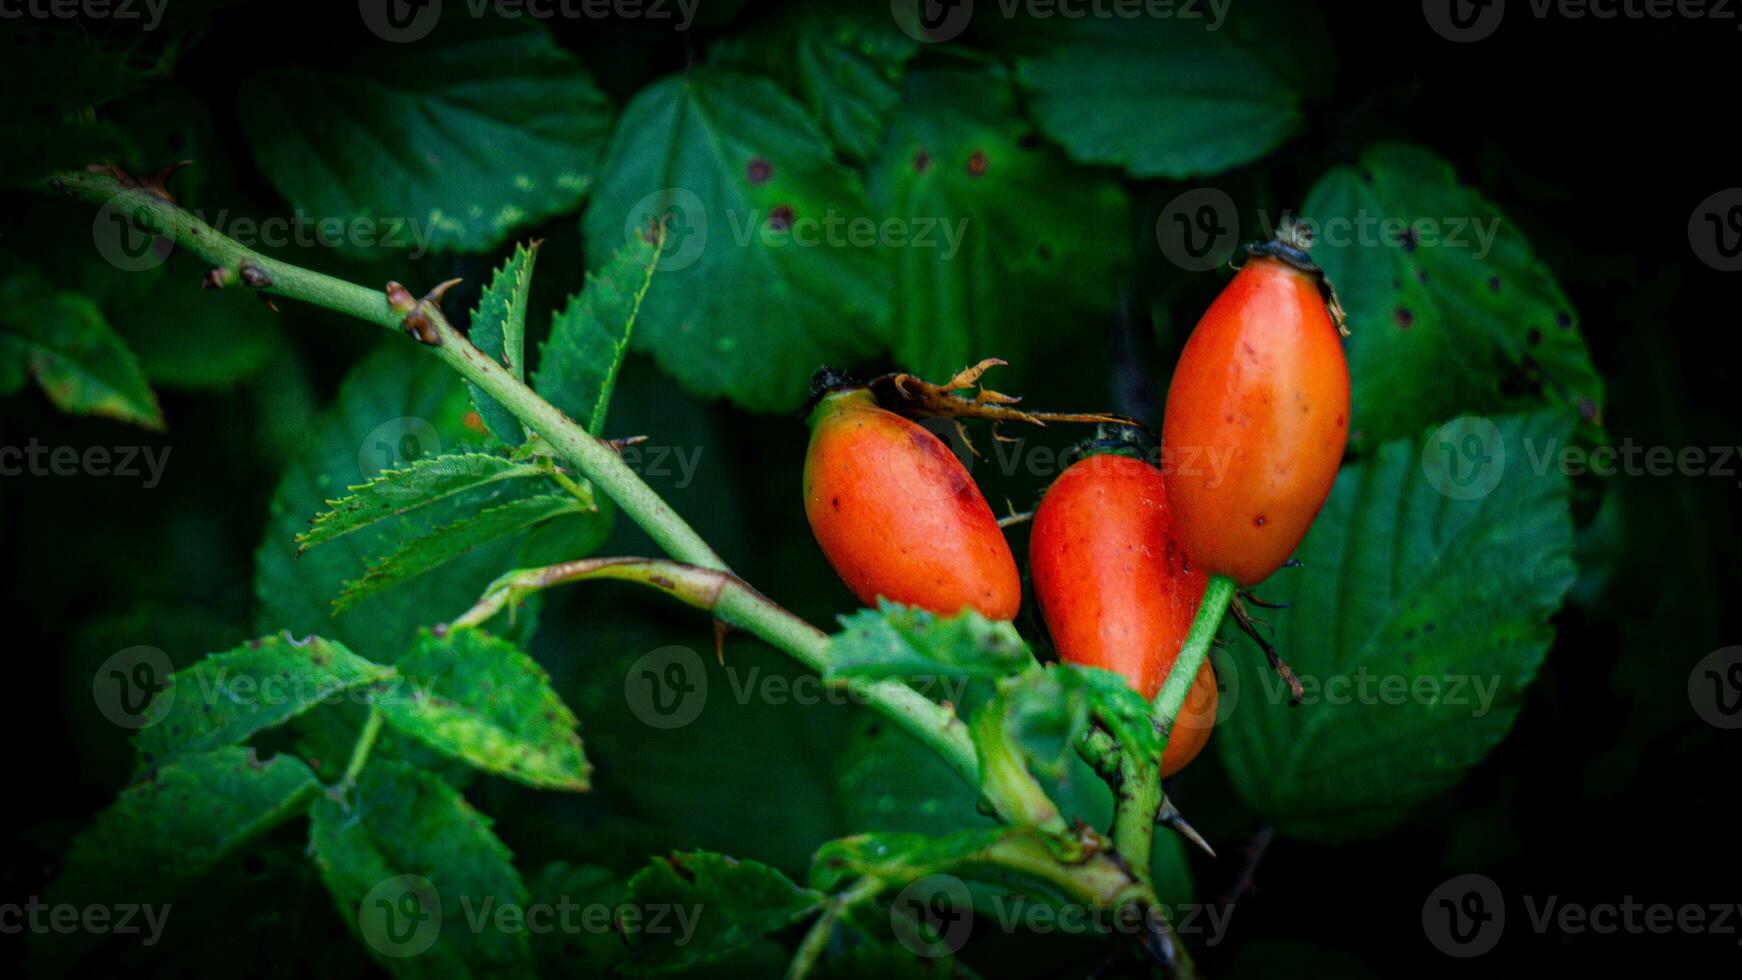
(411, 865)
(1415, 624)
(578, 365)
(399, 491)
(396, 406)
(228, 697)
(901, 641)
(63, 341)
(733, 904)
(1460, 316)
(499, 330)
(1010, 248)
(743, 309)
(453, 143)
(844, 64)
(481, 700)
(443, 544)
(1171, 97)
(164, 832)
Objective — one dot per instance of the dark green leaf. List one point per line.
(228, 697)
(749, 301)
(1007, 244)
(64, 341)
(165, 831)
(898, 856)
(499, 330)
(1449, 309)
(1181, 96)
(1416, 623)
(443, 544)
(729, 903)
(481, 700)
(450, 144)
(420, 877)
(396, 406)
(424, 480)
(900, 641)
(844, 64)
(578, 365)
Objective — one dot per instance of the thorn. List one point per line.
(434, 296)
(1293, 563)
(268, 301)
(1170, 817)
(720, 630)
(399, 298)
(253, 276)
(158, 183)
(618, 444)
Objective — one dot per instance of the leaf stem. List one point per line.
(360, 750)
(1211, 609)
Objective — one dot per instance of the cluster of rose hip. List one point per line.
(1120, 553)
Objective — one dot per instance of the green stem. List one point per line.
(360, 751)
(1214, 606)
(733, 601)
(590, 455)
(816, 941)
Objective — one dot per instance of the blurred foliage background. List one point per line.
(1607, 785)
